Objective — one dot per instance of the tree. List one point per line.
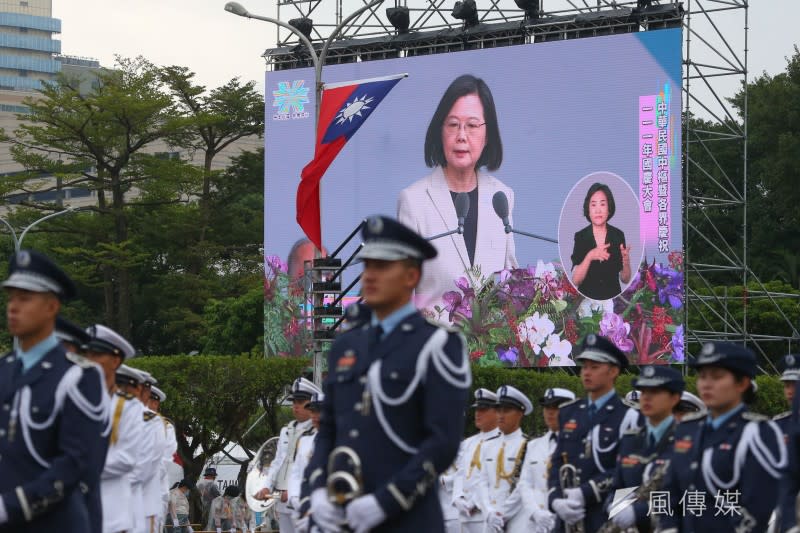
(97, 140)
(212, 400)
(217, 118)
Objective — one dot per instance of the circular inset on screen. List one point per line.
(601, 207)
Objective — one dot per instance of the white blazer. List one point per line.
(427, 207)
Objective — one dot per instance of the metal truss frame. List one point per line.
(713, 56)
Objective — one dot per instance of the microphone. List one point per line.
(500, 204)
(462, 209)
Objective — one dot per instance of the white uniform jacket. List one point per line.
(127, 426)
(499, 457)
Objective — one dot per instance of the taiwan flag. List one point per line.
(343, 109)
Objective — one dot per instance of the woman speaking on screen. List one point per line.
(463, 138)
(600, 258)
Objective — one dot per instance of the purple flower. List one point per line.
(678, 344)
(508, 356)
(617, 330)
(274, 264)
(466, 287)
(673, 290)
(455, 303)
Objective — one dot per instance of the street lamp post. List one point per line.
(18, 241)
(319, 61)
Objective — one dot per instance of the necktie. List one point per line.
(651, 441)
(592, 411)
(553, 437)
(375, 335)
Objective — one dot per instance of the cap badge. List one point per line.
(591, 339)
(708, 348)
(375, 225)
(649, 372)
(790, 360)
(23, 259)
(550, 394)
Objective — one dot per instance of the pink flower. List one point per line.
(617, 330)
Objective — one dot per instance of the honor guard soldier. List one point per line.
(643, 456)
(157, 398)
(502, 458)
(152, 484)
(468, 472)
(131, 381)
(394, 396)
(726, 466)
(74, 338)
(789, 377)
(109, 349)
(582, 465)
(53, 411)
(278, 474)
(305, 448)
(533, 479)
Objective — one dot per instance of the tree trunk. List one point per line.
(123, 322)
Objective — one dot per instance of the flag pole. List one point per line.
(318, 60)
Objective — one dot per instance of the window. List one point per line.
(23, 3)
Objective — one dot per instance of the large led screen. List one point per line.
(578, 140)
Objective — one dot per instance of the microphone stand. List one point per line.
(509, 229)
(460, 231)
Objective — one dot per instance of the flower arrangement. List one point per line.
(286, 332)
(534, 317)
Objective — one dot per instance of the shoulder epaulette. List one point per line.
(149, 415)
(693, 416)
(491, 438)
(526, 437)
(79, 360)
(167, 420)
(782, 415)
(563, 405)
(127, 395)
(633, 431)
(309, 431)
(755, 417)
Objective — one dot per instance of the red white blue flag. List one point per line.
(343, 109)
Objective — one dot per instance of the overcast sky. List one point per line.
(218, 46)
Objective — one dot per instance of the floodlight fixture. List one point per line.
(467, 11)
(532, 8)
(304, 25)
(399, 17)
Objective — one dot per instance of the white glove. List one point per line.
(233, 530)
(301, 525)
(575, 495)
(191, 530)
(462, 506)
(219, 530)
(175, 522)
(495, 522)
(544, 520)
(327, 516)
(625, 518)
(364, 513)
(568, 510)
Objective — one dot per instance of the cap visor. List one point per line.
(29, 283)
(600, 357)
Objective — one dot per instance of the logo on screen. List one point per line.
(290, 100)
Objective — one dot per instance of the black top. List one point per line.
(470, 223)
(602, 278)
